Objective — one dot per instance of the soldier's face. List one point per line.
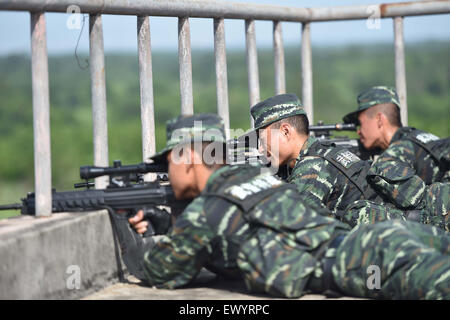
(369, 130)
(179, 176)
(272, 145)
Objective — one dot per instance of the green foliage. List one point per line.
(339, 74)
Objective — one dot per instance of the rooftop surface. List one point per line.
(205, 287)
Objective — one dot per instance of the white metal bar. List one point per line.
(229, 9)
(307, 79)
(221, 73)
(400, 72)
(98, 96)
(252, 64)
(185, 64)
(278, 56)
(146, 91)
(41, 116)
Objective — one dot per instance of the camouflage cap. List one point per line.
(276, 108)
(372, 97)
(202, 127)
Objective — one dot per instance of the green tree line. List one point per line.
(339, 73)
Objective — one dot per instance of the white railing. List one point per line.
(217, 10)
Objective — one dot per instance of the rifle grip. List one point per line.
(150, 230)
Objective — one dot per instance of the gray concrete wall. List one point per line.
(66, 256)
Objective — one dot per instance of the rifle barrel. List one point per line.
(14, 206)
(337, 126)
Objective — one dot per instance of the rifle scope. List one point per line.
(337, 126)
(89, 172)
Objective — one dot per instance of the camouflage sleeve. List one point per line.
(398, 151)
(394, 176)
(178, 257)
(313, 180)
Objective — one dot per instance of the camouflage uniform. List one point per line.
(335, 178)
(248, 224)
(404, 147)
(427, 154)
(322, 183)
(407, 253)
(325, 175)
(433, 208)
(406, 171)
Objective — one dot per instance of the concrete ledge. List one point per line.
(40, 259)
(66, 256)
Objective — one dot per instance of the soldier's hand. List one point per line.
(159, 219)
(138, 222)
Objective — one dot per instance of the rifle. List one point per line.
(126, 191)
(324, 132)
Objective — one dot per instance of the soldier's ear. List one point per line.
(286, 129)
(194, 155)
(379, 118)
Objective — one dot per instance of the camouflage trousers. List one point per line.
(412, 261)
(433, 209)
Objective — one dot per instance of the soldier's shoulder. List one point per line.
(193, 214)
(343, 157)
(231, 174)
(327, 151)
(309, 166)
(410, 133)
(312, 158)
(201, 209)
(308, 163)
(399, 146)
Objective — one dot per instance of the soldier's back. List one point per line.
(426, 153)
(331, 176)
(282, 237)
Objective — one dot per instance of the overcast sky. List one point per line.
(120, 31)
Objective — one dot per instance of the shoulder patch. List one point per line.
(257, 184)
(346, 158)
(426, 137)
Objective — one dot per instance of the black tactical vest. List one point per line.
(428, 144)
(349, 164)
(245, 187)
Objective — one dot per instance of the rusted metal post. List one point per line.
(221, 73)
(278, 56)
(41, 116)
(252, 64)
(146, 91)
(185, 64)
(400, 73)
(98, 96)
(307, 80)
